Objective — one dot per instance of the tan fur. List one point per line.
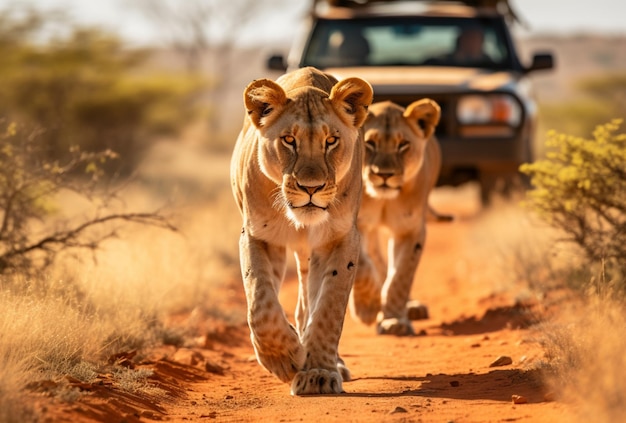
(401, 166)
(295, 174)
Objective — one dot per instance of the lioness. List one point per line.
(402, 163)
(296, 177)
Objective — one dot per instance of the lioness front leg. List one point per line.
(331, 276)
(407, 251)
(276, 343)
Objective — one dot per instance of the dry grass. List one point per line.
(71, 320)
(87, 308)
(585, 348)
(585, 337)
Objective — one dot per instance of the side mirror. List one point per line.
(277, 62)
(541, 61)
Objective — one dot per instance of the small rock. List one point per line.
(211, 415)
(454, 383)
(503, 360)
(188, 357)
(228, 397)
(398, 410)
(213, 368)
(549, 396)
(518, 399)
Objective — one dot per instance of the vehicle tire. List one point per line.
(487, 182)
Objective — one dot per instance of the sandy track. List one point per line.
(441, 375)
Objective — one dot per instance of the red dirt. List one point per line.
(441, 375)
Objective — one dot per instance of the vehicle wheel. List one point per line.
(487, 188)
(507, 185)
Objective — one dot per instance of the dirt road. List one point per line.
(444, 374)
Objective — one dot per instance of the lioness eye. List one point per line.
(288, 140)
(404, 145)
(370, 145)
(330, 141)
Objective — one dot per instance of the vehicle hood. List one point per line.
(429, 79)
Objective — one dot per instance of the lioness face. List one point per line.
(307, 146)
(314, 154)
(395, 140)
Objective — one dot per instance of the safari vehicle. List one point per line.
(409, 49)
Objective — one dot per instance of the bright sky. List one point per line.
(544, 16)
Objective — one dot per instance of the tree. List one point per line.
(84, 88)
(29, 183)
(206, 33)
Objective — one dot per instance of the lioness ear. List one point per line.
(351, 97)
(425, 113)
(262, 98)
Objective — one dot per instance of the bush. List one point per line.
(29, 183)
(579, 189)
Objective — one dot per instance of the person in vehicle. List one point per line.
(350, 47)
(469, 47)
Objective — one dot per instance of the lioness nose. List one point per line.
(384, 175)
(311, 190)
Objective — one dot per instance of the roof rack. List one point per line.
(502, 6)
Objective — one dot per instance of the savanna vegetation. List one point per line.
(83, 89)
(92, 265)
(578, 191)
(81, 282)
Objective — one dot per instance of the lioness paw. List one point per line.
(416, 310)
(343, 370)
(317, 381)
(395, 326)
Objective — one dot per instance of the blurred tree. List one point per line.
(206, 32)
(84, 88)
(599, 98)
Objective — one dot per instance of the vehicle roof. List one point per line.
(403, 8)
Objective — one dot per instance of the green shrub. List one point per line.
(579, 189)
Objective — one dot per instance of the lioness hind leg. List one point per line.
(365, 299)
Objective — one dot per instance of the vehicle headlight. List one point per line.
(488, 109)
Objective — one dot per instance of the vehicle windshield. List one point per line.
(415, 41)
